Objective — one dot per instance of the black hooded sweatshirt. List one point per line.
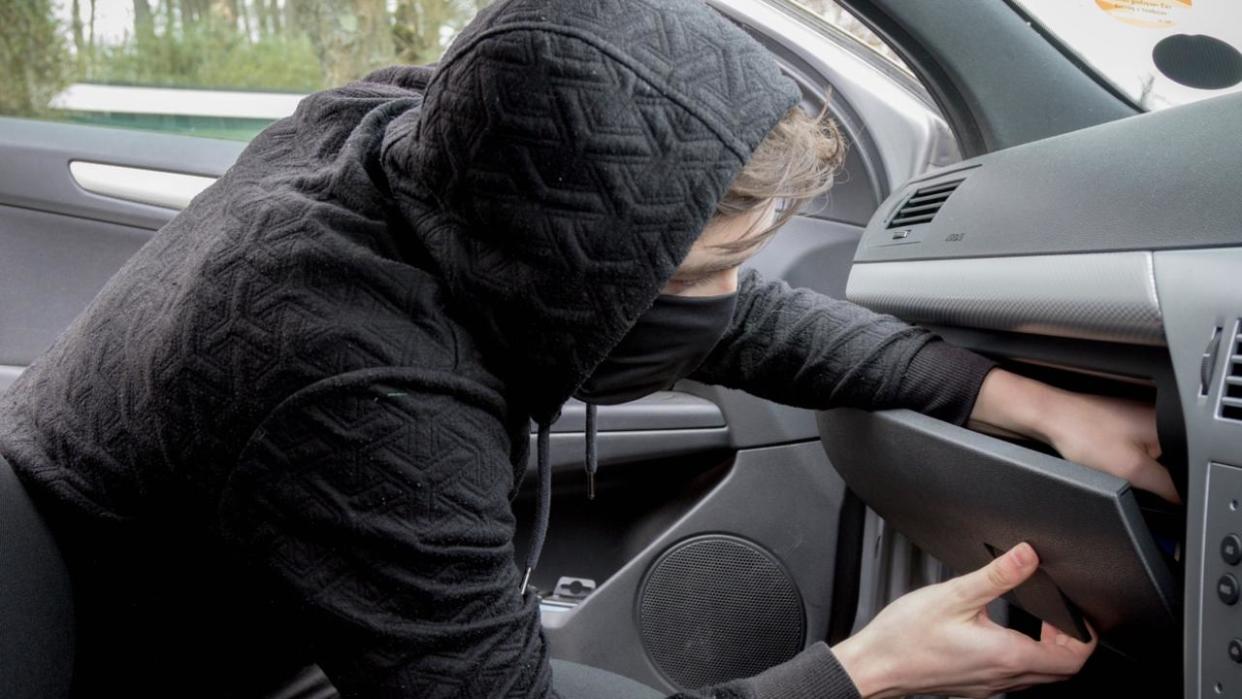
(290, 427)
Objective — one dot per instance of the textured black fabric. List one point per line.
(812, 674)
(290, 427)
(36, 611)
(801, 348)
(667, 343)
(560, 143)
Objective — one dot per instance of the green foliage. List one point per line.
(210, 56)
(278, 45)
(34, 59)
(419, 25)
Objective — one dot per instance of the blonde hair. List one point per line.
(795, 163)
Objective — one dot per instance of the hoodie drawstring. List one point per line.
(592, 461)
(544, 507)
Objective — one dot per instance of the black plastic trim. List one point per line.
(847, 568)
(1071, 56)
(997, 81)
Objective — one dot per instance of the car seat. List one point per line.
(36, 600)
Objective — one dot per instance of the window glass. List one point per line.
(837, 16)
(1160, 53)
(223, 68)
(227, 68)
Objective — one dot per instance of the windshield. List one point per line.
(1160, 53)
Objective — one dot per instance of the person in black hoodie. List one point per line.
(290, 428)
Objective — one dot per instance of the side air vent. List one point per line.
(922, 206)
(1231, 392)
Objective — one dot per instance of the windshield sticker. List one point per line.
(1147, 14)
(1159, 53)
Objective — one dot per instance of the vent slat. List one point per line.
(945, 187)
(920, 199)
(1230, 405)
(921, 206)
(910, 220)
(907, 209)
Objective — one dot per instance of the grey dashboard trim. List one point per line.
(1093, 296)
(1157, 181)
(1201, 292)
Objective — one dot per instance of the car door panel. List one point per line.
(51, 267)
(60, 242)
(37, 156)
(785, 500)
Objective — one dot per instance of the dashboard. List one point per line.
(1107, 259)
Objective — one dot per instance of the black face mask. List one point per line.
(667, 343)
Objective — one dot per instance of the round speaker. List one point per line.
(714, 608)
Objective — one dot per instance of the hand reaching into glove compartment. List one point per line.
(1109, 434)
(939, 640)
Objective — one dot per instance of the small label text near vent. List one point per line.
(922, 206)
(1231, 391)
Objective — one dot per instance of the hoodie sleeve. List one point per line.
(812, 674)
(801, 348)
(375, 506)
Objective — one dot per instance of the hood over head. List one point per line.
(566, 156)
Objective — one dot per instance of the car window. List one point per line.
(1160, 53)
(228, 68)
(837, 16)
(221, 68)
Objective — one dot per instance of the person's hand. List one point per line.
(1113, 435)
(1109, 434)
(939, 640)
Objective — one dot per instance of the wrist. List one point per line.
(864, 666)
(1019, 405)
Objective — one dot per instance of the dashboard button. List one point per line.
(1227, 589)
(1235, 651)
(1231, 549)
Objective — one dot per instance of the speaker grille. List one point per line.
(714, 608)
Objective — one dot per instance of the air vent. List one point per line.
(922, 206)
(1231, 392)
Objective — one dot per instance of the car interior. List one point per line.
(1024, 208)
